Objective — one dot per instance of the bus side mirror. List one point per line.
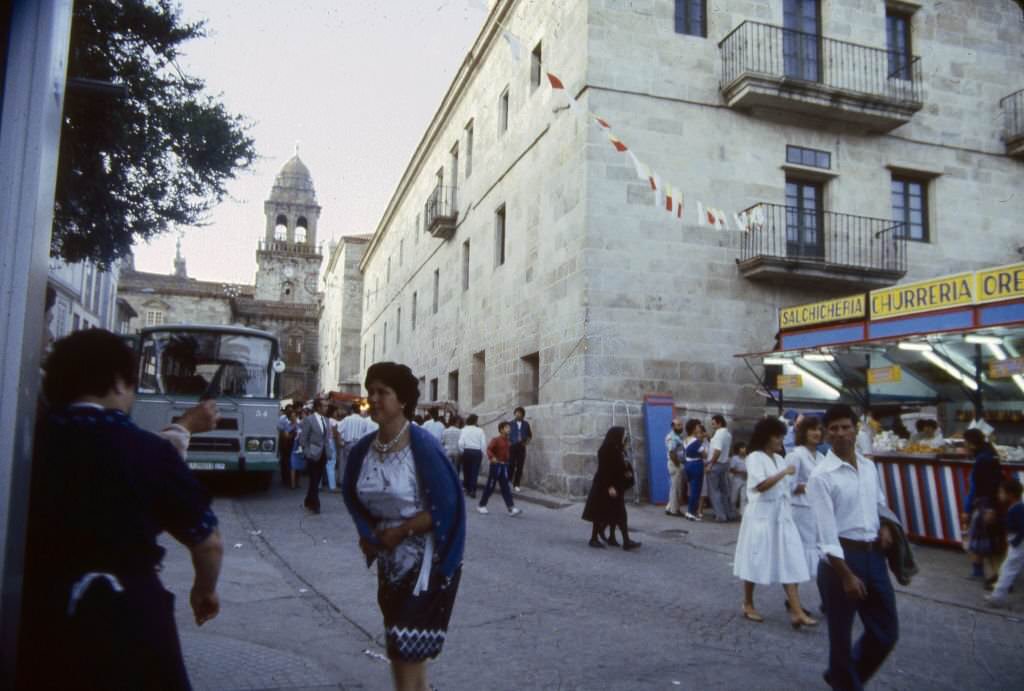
(278, 366)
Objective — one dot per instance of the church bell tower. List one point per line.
(288, 260)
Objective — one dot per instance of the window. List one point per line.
(479, 377)
(910, 206)
(416, 233)
(808, 157)
(691, 17)
(398, 326)
(373, 350)
(801, 39)
(153, 318)
(414, 311)
(74, 323)
(401, 251)
(536, 66)
(529, 379)
(804, 220)
(367, 298)
(499, 236)
(423, 385)
(465, 265)
(897, 38)
(453, 386)
(437, 288)
(503, 112)
(384, 343)
(433, 389)
(281, 228)
(87, 286)
(469, 148)
(455, 177)
(387, 276)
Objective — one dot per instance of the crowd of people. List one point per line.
(104, 490)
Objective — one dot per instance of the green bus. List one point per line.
(181, 364)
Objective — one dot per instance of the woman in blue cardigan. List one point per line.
(407, 505)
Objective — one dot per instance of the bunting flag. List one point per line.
(617, 143)
(513, 43)
(664, 192)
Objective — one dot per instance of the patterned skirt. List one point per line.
(416, 626)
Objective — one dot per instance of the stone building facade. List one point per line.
(521, 261)
(341, 316)
(284, 299)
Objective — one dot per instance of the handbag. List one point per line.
(630, 476)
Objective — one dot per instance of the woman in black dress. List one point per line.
(606, 503)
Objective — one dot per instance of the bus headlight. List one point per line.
(269, 444)
(252, 444)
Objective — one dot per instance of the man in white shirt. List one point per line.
(434, 425)
(853, 578)
(716, 471)
(675, 457)
(472, 443)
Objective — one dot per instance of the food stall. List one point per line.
(950, 349)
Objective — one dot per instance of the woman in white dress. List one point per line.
(769, 549)
(805, 458)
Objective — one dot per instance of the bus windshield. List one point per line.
(205, 363)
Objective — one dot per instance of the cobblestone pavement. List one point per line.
(539, 609)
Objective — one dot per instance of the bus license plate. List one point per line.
(206, 466)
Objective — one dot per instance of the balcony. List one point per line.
(440, 213)
(786, 244)
(1013, 123)
(768, 67)
(285, 247)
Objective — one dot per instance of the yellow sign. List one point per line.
(1004, 369)
(1003, 283)
(840, 309)
(789, 381)
(924, 296)
(885, 375)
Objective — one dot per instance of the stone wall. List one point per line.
(620, 298)
(341, 317)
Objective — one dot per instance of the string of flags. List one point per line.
(667, 195)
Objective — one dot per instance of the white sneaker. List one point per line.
(516, 490)
(482, 509)
(690, 517)
(515, 511)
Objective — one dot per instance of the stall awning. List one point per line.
(951, 338)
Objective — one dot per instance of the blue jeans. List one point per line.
(471, 459)
(851, 669)
(498, 473)
(695, 474)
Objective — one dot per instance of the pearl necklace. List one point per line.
(385, 448)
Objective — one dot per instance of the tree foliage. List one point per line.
(131, 168)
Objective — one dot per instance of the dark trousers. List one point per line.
(695, 475)
(471, 459)
(852, 668)
(316, 471)
(498, 474)
(284, 458)
(516, 461)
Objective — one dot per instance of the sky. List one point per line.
(353, 82)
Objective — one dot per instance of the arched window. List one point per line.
(281, 228)
(301, 226)
(287, 291)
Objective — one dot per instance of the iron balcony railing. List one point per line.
(762, 49)
(826, 238)
(1013, 116)
(288, 247)
(440, 207)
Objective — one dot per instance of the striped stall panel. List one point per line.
(928, 495)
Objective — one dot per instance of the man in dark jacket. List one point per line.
(519, 437)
